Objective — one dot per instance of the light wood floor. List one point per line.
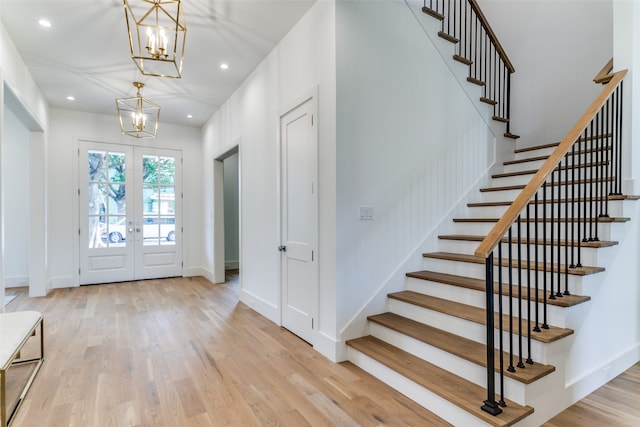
(184, 352)
(617, 403)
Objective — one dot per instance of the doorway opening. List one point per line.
(23, 169)
(227, 253)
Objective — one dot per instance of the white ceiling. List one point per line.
(85, 53)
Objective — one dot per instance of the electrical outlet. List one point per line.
(366, 213)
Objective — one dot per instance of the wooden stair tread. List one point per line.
(536, 147)
(534, 171)
(607, 220)
(579, 271)
(433, 13)
(475, 314)
(475, 81)
(511, 135)
(548, 184)
(447, 37)
(454, 389)
(480, 285)
(555, 144)
(462, 60)
(538, 158)
(500, 119)
(474, 238)
(613, 197)
(488, 101)
(464, 348)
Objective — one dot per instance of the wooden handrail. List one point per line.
(492, 35)
(604, 75)
(510, 216)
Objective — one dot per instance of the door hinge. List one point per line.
(312, 120)
(311, 255)
(78, 151)
(182, 264)
(78, 191)
(182, 229)
(78, 232)
(79, 272)
(312, 323)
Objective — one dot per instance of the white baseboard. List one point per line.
(604, 373)
(328, 347)
(194, 272)
(265, 308)
(63, 282)
(231, 265)
(16, 281)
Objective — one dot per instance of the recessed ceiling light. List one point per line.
(70, 98)
(224, 66)
(44, 23)
(189, 116)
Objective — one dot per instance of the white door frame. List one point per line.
(218, 212)
(310, 95)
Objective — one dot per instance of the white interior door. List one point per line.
(299, 276)
(130, 204)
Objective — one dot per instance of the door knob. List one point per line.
(282, 248)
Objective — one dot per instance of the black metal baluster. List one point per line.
(511, 368)
(490, 404)
(520, 364)
(529, 359)
(501, 326)
(551, 227)
(591, 188)
(579, 192)
(536, 227)
(621, 103)
(559, 225)
(544, 256)
(573, 201)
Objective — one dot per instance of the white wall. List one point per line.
(15, 175)
(410, 144)
(67, 127)
(304, 59)
(19, 88)
(231, 212)
(556, 47)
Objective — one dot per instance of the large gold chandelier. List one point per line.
(157, 38)
(138, 116)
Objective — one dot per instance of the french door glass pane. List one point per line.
(106, 193)
(158, 200)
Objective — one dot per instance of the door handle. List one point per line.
(282, 248)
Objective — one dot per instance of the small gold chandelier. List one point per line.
(138, 116)
(157, 39)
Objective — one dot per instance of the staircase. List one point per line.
(431, 344)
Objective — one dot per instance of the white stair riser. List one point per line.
(596, 156)
(549, 150)
(588, 256)
(614, 209)
(439, 406)
(478, 271)
(534, 153)
(470, 371)
(602, 229)
(572, 175)
(464, 328)
(556, 315)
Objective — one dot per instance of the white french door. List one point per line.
(130, 213)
